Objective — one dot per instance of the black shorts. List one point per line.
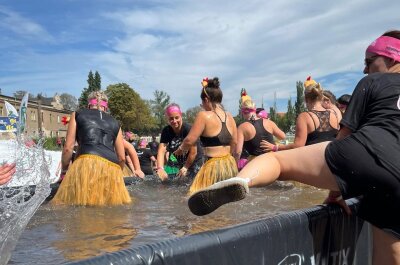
(359, 173)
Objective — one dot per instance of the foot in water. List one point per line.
(209, 199)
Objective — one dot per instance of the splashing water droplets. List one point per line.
(21, 197)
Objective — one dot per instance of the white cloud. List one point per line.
(24, 28)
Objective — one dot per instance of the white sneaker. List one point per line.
(207, 200)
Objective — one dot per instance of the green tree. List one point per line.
(158, 104)
(93, 85)
(272, 114)
(281, 122)
(190, 115)
(68, 101)
(290, 116)
(129, 109)
(299, 104)
(97, 81)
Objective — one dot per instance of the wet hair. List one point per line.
(328, 94)
(248, 104)
(313, 92)
(344, 99)
(212, 91)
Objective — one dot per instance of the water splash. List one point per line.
(27, 190)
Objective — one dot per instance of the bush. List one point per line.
(50, 143)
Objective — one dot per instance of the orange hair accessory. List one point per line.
(204, 83)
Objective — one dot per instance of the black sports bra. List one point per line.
(252, 146)
(223, 138)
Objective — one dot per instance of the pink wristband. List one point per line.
(275, 148)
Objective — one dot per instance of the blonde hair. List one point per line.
(99, 95)
(313, 92)
(248, 104)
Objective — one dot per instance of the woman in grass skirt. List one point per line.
(364, 159)
(217, 131)
(95, 177)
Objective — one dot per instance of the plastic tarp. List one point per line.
(321, 235)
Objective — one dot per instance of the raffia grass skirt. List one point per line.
(127, 172)
(214, 170)
(94, 181)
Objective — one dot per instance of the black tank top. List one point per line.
(223, 138)
(324, 132)
(96, 132)
(252, 146)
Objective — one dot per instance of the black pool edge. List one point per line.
(319, 235)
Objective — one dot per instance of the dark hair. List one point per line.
(392, 33)
(344, 99)
(330, 95)
(259, 109)
(212, 91)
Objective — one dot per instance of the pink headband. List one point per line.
(128, 134)
(386, 46)
(263, 114)
(173, 109)
(93, 102)
(247, 110)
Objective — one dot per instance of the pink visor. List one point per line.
(103, 103)
(386, 46)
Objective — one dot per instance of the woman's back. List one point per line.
(322, 125)
(254, 131)
(218, 129)
(375, 120)
(96, 132)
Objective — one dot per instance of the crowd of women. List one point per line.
(357, 155)
(201, 154)
(363, 161)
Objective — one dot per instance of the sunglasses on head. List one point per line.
(368, 61)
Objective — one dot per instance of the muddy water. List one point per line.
(56, 235)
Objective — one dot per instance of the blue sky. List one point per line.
(49, 46)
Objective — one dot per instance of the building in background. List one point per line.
(44, 116)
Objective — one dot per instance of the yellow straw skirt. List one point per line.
(92, 180)
(127, 172)
(214, 170)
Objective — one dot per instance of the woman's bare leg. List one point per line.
(386, 248)
(305, 164)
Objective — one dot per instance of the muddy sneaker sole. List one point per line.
(207, 200)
